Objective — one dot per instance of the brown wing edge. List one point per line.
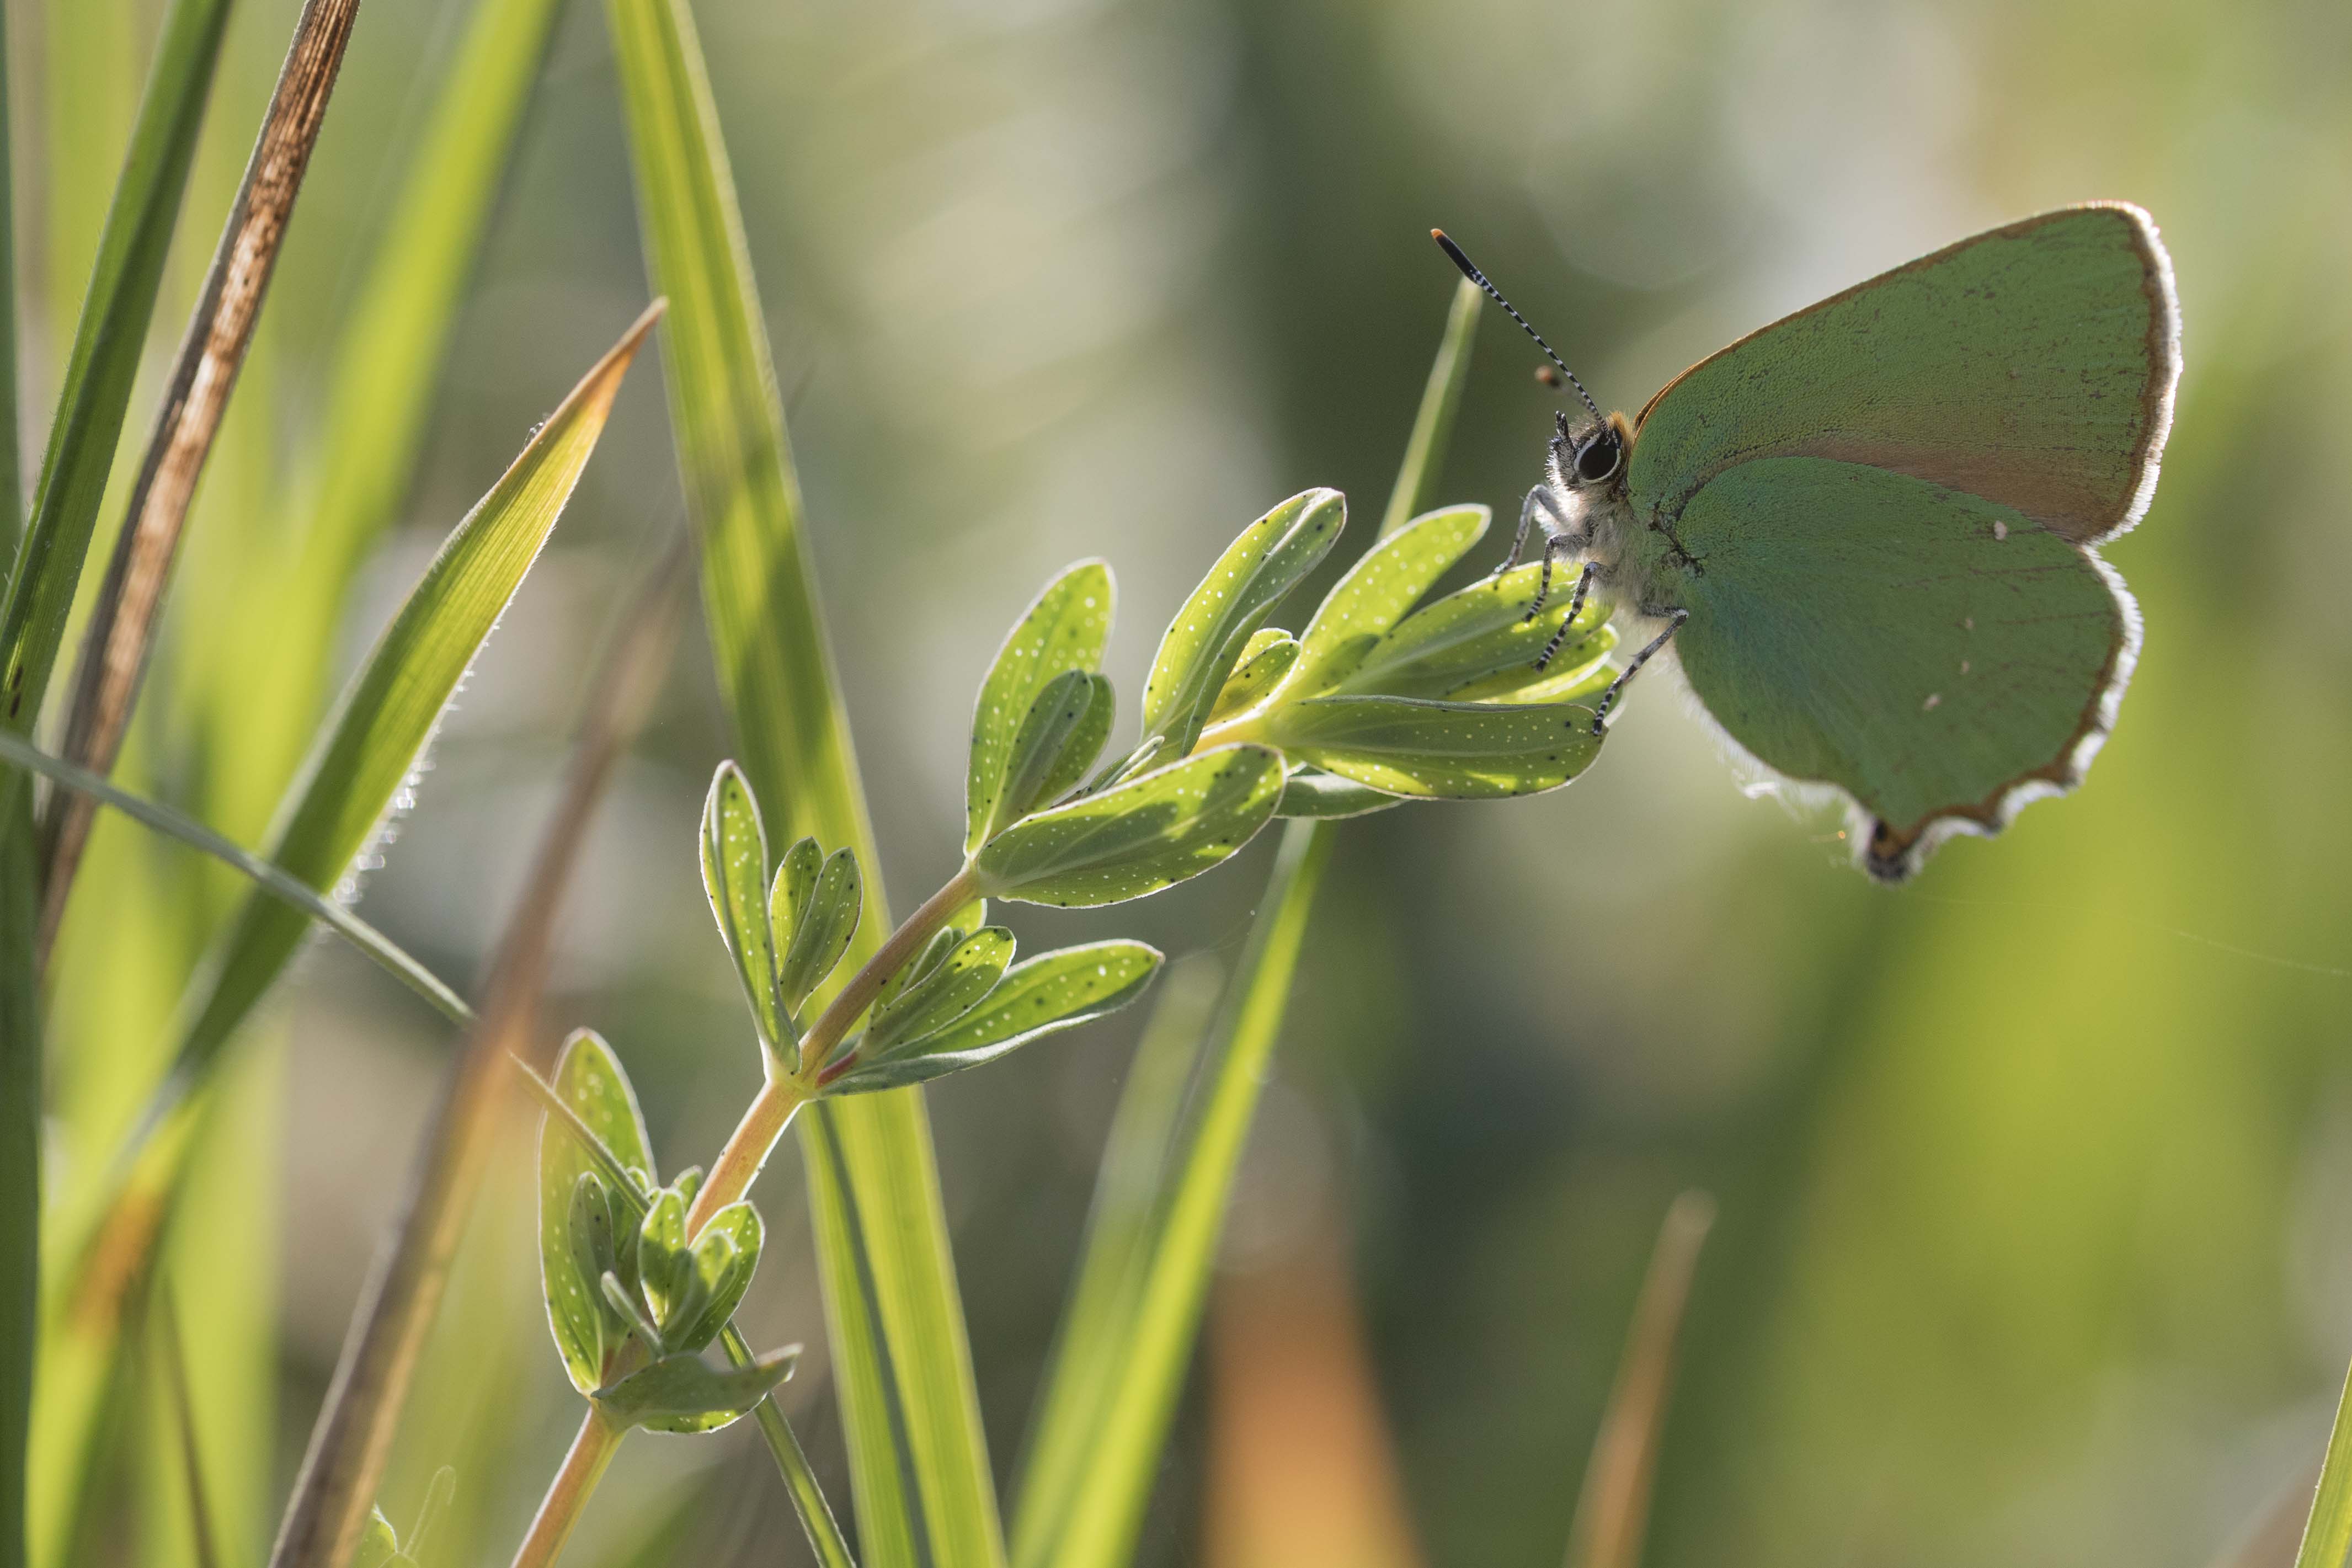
(1892, 854)
(2163, 344)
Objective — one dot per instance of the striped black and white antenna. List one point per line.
(1470, 272)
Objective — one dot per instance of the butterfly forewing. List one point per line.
(2031, 365)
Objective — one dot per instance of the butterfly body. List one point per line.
(1871, 526)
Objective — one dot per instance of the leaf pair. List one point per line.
(616, 1265)
(932, 1030)
(1044, 712)
(786, 934)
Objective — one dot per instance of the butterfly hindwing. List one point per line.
(1931, 653)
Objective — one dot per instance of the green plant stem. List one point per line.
(824, 1537)
(731, 1174)
(583, 1465)
(771, 1112)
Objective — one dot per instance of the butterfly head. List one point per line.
(1591, 456)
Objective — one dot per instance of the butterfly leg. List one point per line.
(1608, 698)
(1540, 507)
(1575, 608)
(1527, 526)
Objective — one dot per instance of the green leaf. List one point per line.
(825, 929)
(578, 1238)
(1311, 792)
(1477, 645)
(1366, 604)
(953, 988)
(1060, 741)
(664, 1262)
(104, 363)
(932, 953)
(680, 1394)
(1459, 751)
(923, 1486)
(1206, 639)
(2328, 1531)
(1040, 997)
(377, 1545)
(735, 876)
(1265, 659)
(726, 1254)
(789, 897)
(1063, 631)
(1147, 833)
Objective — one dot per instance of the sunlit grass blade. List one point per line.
(105, 360)
(1100, 1318)
(1102, 1507)
(2328, 1533)
(46, 560)
(918, 1462)
(204, 377)
(1612, 1511)
(1127, 1336)
(352, 1439)
(364, 755)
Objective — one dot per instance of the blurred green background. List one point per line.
(2035, 1177)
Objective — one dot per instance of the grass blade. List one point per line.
(2327, 1533)
(183, 1413)
(105, 360)
(364, 754)
(353, 1437)
(20, 1033)
(1612, 1511)
(1127, 1336)
(204, 377)
(922, 1484)
(1102, 1509)
(20, 1169)
(276, 880)
(1134, 1171)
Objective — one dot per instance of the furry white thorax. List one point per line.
(1596, 523)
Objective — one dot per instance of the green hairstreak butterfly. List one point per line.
(1872, 528)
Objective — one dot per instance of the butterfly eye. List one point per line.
(1597, 459)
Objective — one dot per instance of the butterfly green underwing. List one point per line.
(1872, 528)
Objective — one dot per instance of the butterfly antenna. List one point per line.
(1471, 273)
